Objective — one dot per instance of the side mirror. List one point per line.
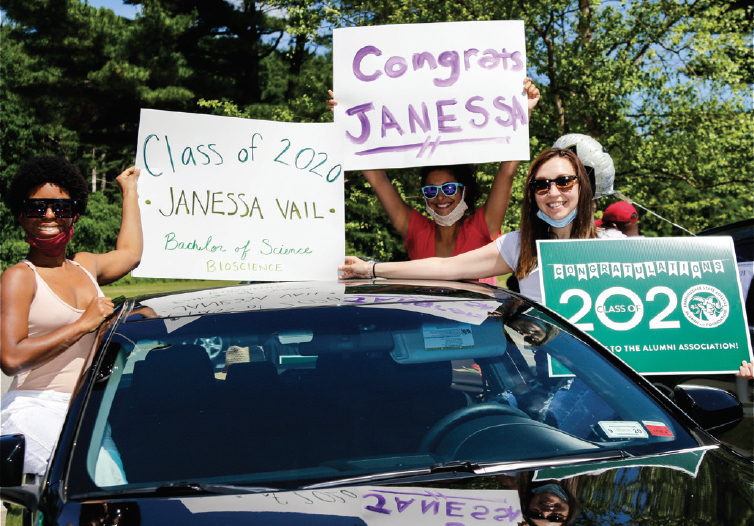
(715, 410)
(12, 449)
(12, 488)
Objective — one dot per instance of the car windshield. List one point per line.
(365, 383)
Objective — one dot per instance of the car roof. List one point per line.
(270, 296)
(742, 233)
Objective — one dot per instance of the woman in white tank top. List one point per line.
(50, 306)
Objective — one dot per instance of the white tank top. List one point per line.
(47, 314)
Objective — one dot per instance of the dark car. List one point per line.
(375, 403)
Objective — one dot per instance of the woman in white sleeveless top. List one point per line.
(50, 306)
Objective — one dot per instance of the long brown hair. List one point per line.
(533, 228)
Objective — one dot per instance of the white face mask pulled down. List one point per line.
(453, 216)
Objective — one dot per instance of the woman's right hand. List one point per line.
(96, 312)
(332, 102)
(354, 268)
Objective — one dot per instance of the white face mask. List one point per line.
(453, 216)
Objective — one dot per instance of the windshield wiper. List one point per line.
(455, 466)
(472, 468)
(178, 488)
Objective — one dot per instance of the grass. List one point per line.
(130, 286)
(13, 516)
(135, 287)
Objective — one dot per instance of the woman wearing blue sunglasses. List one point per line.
(450, 194)
(51, 306)
(557, 205)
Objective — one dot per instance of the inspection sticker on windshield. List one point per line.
(438, 337)
(657, 429)
(620, 430)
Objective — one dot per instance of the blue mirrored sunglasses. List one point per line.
(430, 191)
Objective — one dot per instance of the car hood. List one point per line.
(702, 486)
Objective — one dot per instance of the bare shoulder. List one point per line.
(19, 271)
(87, 260)
(17, 278)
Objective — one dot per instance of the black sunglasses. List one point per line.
(430, 191)
(552, 517)
(60, 207)
(564, 184)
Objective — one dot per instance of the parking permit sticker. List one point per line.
(438, 337)
(621, 430)
(657, 429)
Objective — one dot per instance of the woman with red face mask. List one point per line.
(50, 305)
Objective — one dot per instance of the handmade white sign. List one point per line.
(431, 94)
(238, 199)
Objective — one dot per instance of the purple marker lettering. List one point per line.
(402, 504)
(454, 524)
(505, 56)
(380, 506)
(361, 110)
(467, 57)
(360, 54)
(442, 119)
(507, 514)
(518, 61)
(414, 119)
(395, 67)
(515, 112)
(481, 514)
(419, 59)
(471, 107)
(449, 59)
(491, 60)
(451, 507)
(433, 506)
(389, 122)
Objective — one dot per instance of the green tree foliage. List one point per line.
(74, 79)
(663, 85)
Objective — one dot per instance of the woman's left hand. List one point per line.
(532, 93)
(354, 268)
(127, 180)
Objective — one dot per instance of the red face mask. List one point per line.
(53, 246)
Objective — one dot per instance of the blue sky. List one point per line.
(128, 11)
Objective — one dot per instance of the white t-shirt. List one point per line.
(509, 247)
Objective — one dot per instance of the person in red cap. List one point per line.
(621, 216)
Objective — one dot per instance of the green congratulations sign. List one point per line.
(669, 305)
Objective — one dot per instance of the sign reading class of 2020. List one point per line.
(238, 199)
(664, 305)
(431, 94)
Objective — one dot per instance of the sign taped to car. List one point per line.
(226, 198)
(664, 305)
(380, 505)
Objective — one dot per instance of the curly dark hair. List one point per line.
(464, 174)
(43, 169)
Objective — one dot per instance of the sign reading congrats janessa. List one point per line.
(238, 199)
(431, 94)
(669, 305)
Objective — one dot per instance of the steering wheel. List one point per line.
(444, 426)
(213, 345)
